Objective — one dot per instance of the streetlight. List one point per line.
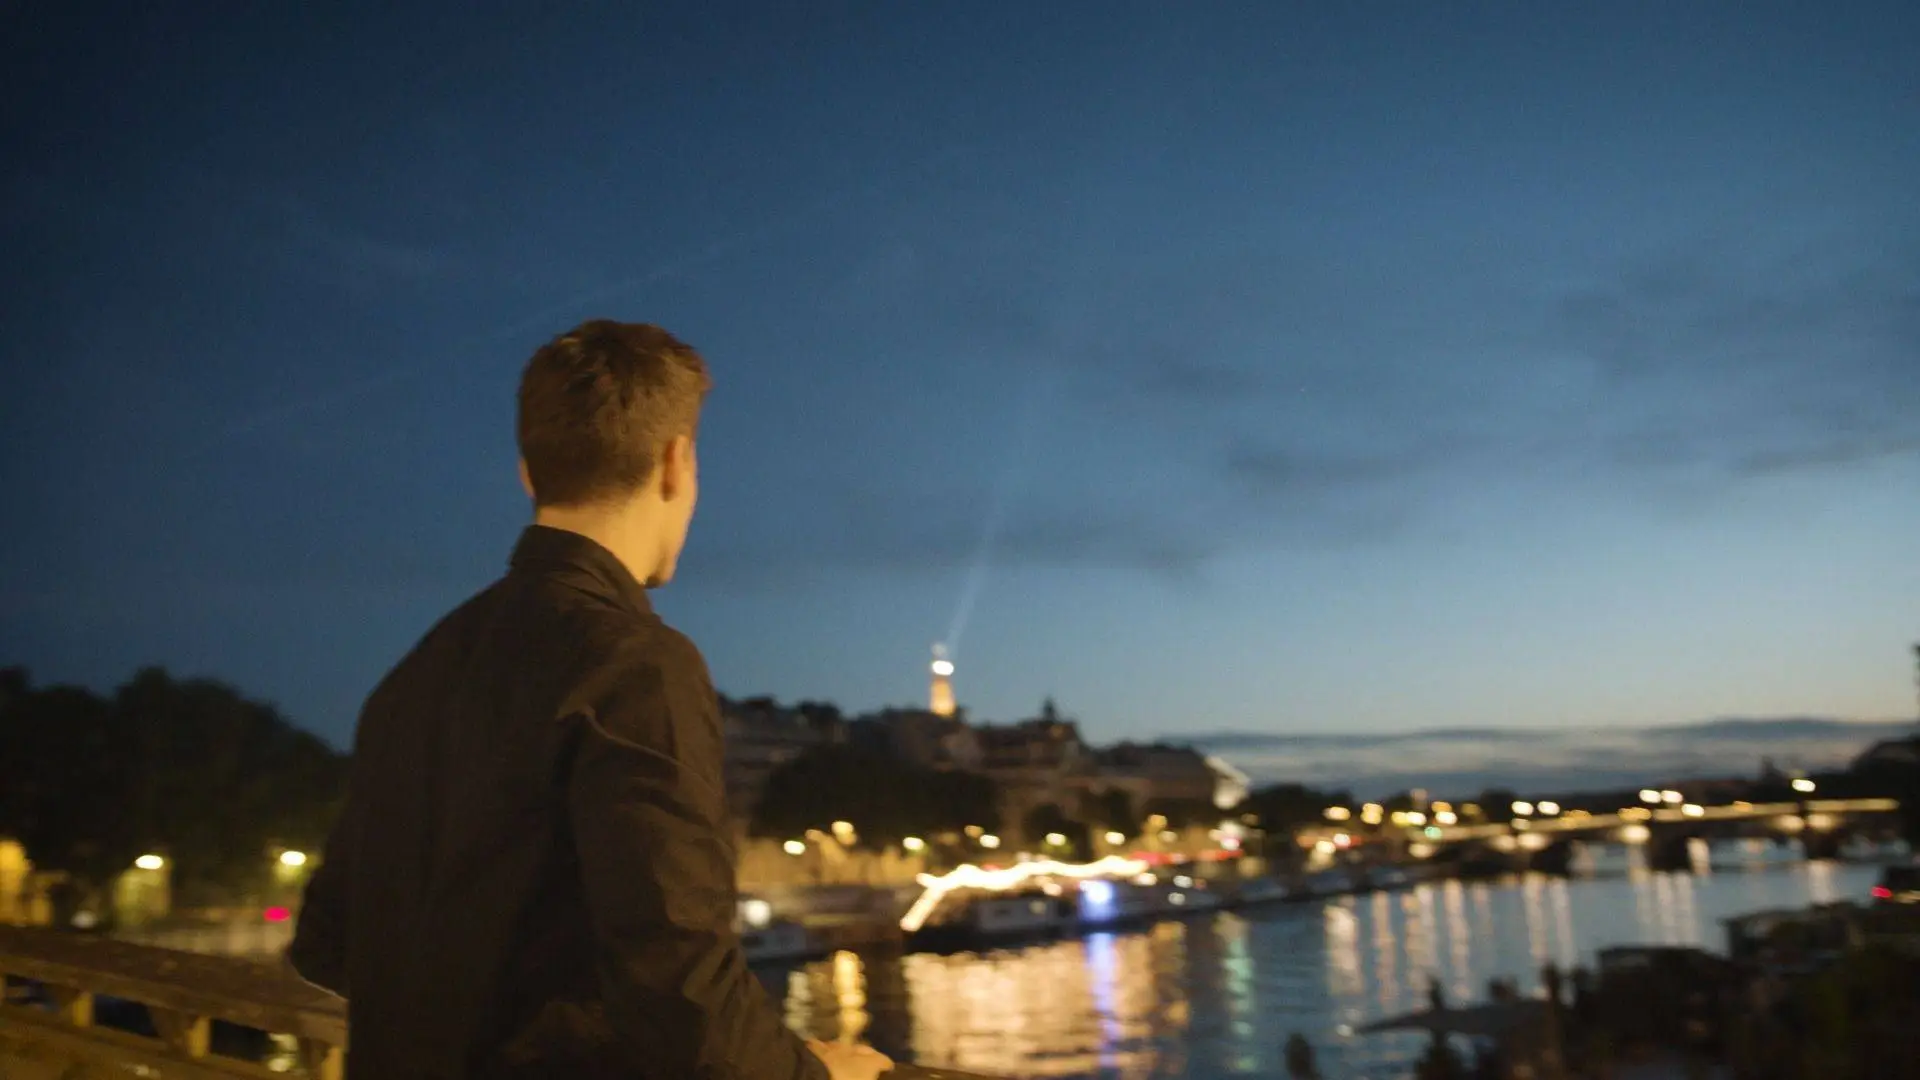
(913, 843)
(1338, 813)
(1055, 839)
(1549, 808)
(1693, 810)
(1116, 838)
(989, 841)
(1523, 808)
(149, 862)
(795, 847)
(1649, 795)
(1672, 797)
(1804, 785)
(293, 858)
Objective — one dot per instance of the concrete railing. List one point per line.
(52, 1029)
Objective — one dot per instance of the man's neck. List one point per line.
(608, 528)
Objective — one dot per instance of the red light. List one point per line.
(1881, 892)
(278, 914)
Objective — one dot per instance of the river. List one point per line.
(1217, 996)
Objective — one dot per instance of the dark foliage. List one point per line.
(884, 798)
(189, 768)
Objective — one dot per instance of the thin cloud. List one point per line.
(1463, 763)
(1835, 454)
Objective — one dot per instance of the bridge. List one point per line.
(1668, 831)
(1786, 817)
(77, 1007)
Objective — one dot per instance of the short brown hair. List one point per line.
(597, 404)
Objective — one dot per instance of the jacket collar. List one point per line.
(582, 562)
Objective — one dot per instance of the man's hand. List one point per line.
(845, 1061)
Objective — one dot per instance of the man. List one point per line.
(532, 876)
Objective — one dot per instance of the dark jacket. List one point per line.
(532, 876)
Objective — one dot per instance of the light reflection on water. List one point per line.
(1217, 996)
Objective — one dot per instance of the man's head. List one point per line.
(607, 418)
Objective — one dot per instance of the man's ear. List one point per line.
(676, 467)
(526, 479)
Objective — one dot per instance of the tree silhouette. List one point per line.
(884, 798)
(188, 768)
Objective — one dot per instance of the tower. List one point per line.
(940, 694)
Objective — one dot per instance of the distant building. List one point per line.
(1158, 771)
(927, 739)
(762, 735)
(1900, 753)
(1037, 762)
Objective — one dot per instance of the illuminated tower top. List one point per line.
(940, 694)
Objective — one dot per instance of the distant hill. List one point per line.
(1463, 761)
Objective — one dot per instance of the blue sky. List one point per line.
(1262, 367)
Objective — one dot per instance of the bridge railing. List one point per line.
(184, 994)
(55, 1031)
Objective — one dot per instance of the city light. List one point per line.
(1523, 808)
(1342, 840)
(756, 913)
(1803, 785)
(974, 877)
(1672, 797)
(795, 847)
(1693, 810)
(1415, 817)
(843, 829)
(1338, 813)
(1445, 817)
(944, 667)
(1056, 839)
(974, 830)
(1549, 808)
(293, 858)
(988, 840)
(1116, 838)
(149, 862)
(913, 843)
(1648, 795)
(1323, 847)
(276, 914)
(1372, 813)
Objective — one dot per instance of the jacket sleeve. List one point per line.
(647, 806)
(318, 952)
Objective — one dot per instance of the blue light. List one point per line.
(1096, 899)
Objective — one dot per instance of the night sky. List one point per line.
(1257, 366)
